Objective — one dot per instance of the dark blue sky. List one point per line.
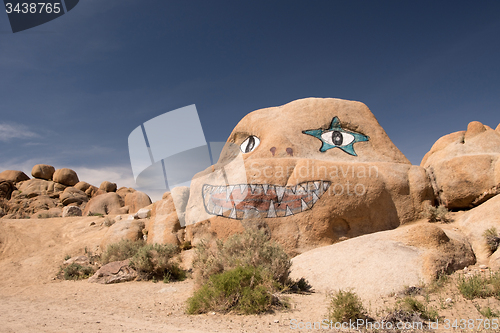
(72, 90)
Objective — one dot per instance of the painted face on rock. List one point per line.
(247, 200)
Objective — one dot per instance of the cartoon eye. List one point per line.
(337, 138)
(250, 144)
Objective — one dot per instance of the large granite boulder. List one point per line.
(107, 186)
(6, 188)
(43, 171)
(14, 176)
(385, 262)
(108, 203)
(464, 166)
(136, 200)
(36, 187)
(66, 177)
(164, 226)
(73, 195)
(310, 172)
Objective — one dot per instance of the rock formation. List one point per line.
(52, 190)
(464, 166)
(310, 172)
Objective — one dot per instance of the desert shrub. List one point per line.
(345, 306)
(480, 286)
(76, 272)
(185, 246)
(492, 239)
(108, 222)
(412, 305)
(436, 214)
(251, 248)
(244, 289)
(122, 250)
(155, 261)
(487, 312)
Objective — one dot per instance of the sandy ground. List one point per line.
(32, 300)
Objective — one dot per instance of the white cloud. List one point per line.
(15, 131)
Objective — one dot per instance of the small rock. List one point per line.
(449, 300)
(77, 260)
(130, 217)
(92, 223)
(143, 213)
(483, 267)
(118, 218)
(466, 269)
(71, 211)
(276, 321)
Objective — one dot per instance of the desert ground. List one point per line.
(34, 300)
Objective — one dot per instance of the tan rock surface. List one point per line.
(164, 224)
(108, 186)
(384, 262)
(43, 171)
(463, 165)
(66, 177)
(137, 200)
(339, 194)
(14, 176)
(36, 187)
(124, 229)
(73, 195)
(108, 203)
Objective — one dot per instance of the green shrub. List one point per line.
(76, 272)
(155, 261)
(244, 290)
(251, 248)
(436, 214)
(487, 312)
(492, 239)
(480, 286)
(345, 306)
(411, 305)
(122, 250)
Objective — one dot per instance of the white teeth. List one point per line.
(288, 211)
(271, 212)
(229, 192)
(301, 190)
(243, 188)
(280, 191)
(315, 198)
(304, 205)
(316, 184)
(252, 187)
(219, 212)
(265, 187)
(232, 215)
(214, 211)
(222, 189)
(326, 185)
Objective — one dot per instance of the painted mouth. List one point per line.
(261, 200)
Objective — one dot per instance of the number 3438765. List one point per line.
(33, 8)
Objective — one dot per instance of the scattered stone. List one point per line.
(66, 177)
(143, 213)
(71, 211)
(118, 218)
(114, 272)
(483, 267)
(81, 260)
(43, 171)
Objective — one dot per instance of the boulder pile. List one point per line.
(55, 193)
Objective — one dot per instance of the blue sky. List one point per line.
(72, 90)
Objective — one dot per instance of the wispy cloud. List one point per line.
(15, 131)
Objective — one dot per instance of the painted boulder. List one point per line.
(309, 172)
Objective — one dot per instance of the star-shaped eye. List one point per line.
(337, 137)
